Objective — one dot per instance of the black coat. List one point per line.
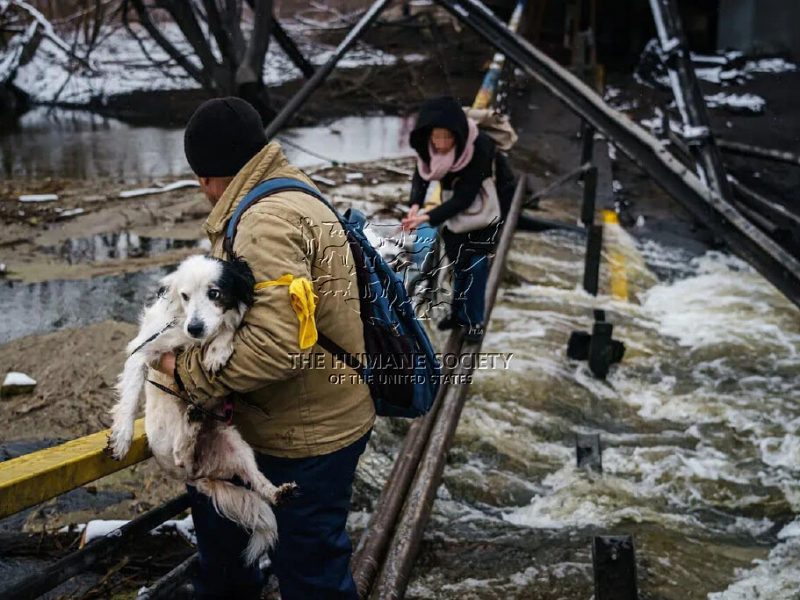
(465, 184)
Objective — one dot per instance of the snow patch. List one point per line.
(738, 102)
(16, 378)
(99, 528)
(122, 64)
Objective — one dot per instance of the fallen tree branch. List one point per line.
(144, 19)
(47, 30)
(184, 16)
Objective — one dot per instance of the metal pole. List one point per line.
(594, 251)
(319, 76)
(614, 561)
(752, 200)
(574, 174)
(588, 451)
(165, 587)
(742, 236)
(408, 533)
(778, 213)
(589, 196)
(73, 564)
(485, 95)
(688, 96)
(587, 142)
(758, 152)
(371, 548)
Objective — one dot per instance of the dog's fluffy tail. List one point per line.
(246, 508)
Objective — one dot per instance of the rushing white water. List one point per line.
(700, 425)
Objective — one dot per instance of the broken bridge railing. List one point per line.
(729, 224)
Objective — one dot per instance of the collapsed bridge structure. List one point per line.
(386, 553)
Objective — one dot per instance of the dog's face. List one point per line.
(208, 289)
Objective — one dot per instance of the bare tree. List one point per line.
(22, 27)
(228, 62)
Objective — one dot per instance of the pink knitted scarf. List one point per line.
(442, 164)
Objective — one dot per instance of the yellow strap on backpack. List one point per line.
(304, 303)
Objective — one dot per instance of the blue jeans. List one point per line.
(423, 244)
(312, 558)
(470, 274)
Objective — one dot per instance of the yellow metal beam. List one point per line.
(33, 478)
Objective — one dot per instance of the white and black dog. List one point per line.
(201, 303)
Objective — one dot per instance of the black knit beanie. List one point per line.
(222, 136)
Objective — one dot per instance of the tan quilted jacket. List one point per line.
(290, 403)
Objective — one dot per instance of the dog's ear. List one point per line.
(241, 279)
(165, 286)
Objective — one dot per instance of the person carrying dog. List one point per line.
(454, 153)
(304, 427)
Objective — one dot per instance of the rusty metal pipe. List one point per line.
(372, 546)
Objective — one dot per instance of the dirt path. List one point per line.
(76, 370)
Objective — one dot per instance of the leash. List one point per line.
(154, 336)
(197, 412)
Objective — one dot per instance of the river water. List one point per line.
(700, 426)
(52, 142)
(700, 423)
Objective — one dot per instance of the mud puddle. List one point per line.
(47, 306)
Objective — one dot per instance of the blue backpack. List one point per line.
(401, 370)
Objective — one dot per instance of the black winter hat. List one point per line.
(445, 112)
(222, 136)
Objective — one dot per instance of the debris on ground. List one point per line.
(68, 213)
(323, 180)
(17, 383)
(38, 198)
(177, 185)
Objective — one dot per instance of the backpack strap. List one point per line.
(261, 191)
(268, 188)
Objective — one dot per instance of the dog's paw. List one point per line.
(216, 357)
(119, 443)
(286, 492)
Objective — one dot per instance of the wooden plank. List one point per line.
(33, 478)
